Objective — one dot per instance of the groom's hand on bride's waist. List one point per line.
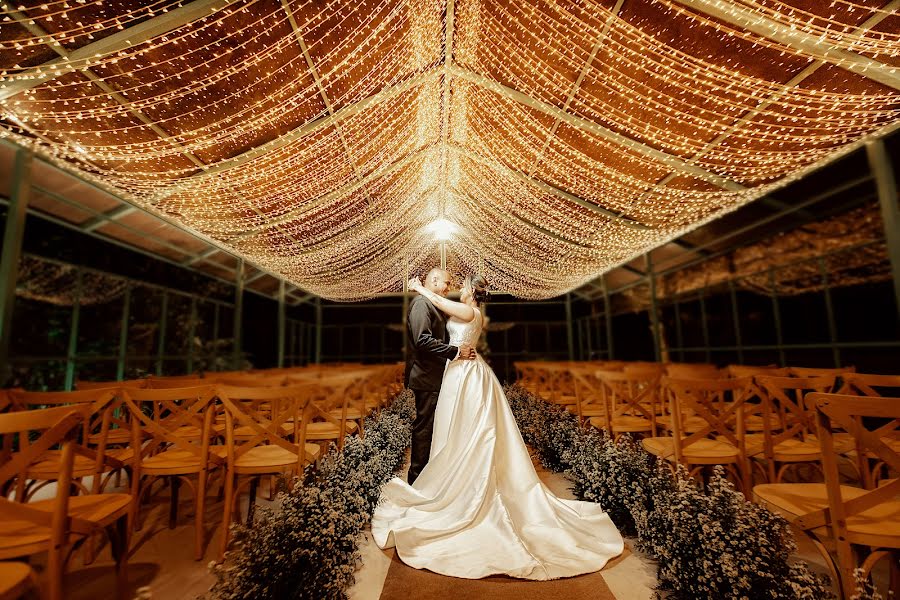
(466, 352)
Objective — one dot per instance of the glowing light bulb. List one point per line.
(442, 229)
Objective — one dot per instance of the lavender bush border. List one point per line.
(707, 543)
(307, 546)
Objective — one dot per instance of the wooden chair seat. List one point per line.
(352, 414)
(173, 462)
(16, 579)
(113, 437)
(262, 459)
(323, 430)
(588, 411)
(755, 423)
(21, 537)
(631, 424)
(689, 424)
(701, 452)
(246, 432)
(879, 525)
(188, 432)
(47, 466)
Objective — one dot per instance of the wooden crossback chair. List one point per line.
(54, 526)
(867, 519)
(788, 438)
(719, 402)
(178, 425)
(327, 420)
(875, 386)
(630, 399)
(267, 452)
(589, 405)
(90, 459)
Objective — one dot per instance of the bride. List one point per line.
(478, 507)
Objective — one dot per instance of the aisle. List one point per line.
(383, 575)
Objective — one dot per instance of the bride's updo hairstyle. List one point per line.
(479, 287)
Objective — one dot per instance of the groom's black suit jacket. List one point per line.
(427, 348)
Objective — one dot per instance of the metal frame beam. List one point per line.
(112, 215)
(13, 236)
(215, 246)
(886, 183)
(805, 44)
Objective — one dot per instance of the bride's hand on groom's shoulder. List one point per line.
(413, 284)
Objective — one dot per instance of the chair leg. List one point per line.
(226, 513)
(200, 506)
(118, 539)
(251, 502)
(173, 504)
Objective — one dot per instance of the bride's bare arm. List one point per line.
(461, 311)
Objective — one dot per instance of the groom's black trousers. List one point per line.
(423, 426)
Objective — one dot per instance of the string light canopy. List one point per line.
(346, 145)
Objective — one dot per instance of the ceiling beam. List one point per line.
(598, 43)
(546, 187)
(317, 79)
(121, 40)
(110, 215)
(588, 126)
(202, 256)
(804, 43)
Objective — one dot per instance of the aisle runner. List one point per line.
(406, 583)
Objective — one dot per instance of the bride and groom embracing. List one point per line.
(474, 505)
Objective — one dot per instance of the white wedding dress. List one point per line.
(478, 508)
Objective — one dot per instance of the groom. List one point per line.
(426, 354)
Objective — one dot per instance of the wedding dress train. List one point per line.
(478, 508)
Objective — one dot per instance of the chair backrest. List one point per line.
(39, 431)
(101, 408)
(783, 397)
(822, 372)
(630, 392)
(693, 371)
(851, 414)
(719, 402)
(95, 385)
(164, 383)
(252, 380)
(287, 405)
(751, 370)
(644, 368)
(161, 414)
(870, 384)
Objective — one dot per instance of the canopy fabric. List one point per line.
(320, 139)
